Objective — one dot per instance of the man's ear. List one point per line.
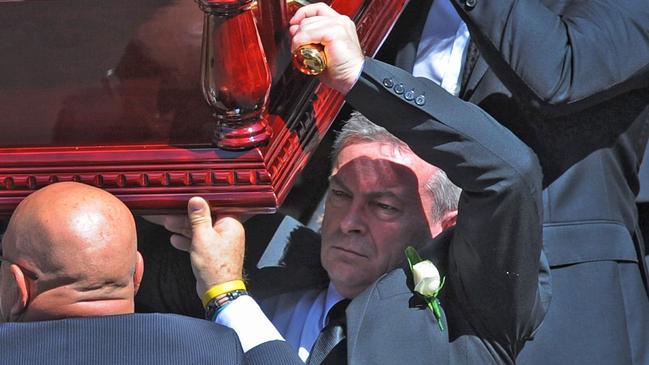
(449, 219)
(22, 292)
(139, 271)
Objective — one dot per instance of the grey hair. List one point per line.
(360, 129)
(446, 195)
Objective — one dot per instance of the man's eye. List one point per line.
(339, 193)
(386, 208)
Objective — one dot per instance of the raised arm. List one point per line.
(495, 249)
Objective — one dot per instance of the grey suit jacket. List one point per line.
(570, 78)
(132, 339)
(494, 299)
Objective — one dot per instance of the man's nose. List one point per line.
(353, 221)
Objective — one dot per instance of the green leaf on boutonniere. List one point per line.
(413, 256)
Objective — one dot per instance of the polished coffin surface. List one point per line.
(109, 93)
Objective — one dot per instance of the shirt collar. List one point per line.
(332, 297)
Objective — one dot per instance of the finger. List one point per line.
(324, 30)
(322, 26)
(315, 30)
(312, 10)
(201, 221)
(178, 224)
(155, 219)
(199, 214)
(180, 242)
(293, 29)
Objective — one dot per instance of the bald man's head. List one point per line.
(81, 242)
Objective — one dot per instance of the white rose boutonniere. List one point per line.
(427, 281)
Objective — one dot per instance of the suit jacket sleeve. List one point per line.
(495, 248)
(273, 352)
(567, 55)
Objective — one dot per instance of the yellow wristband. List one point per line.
(221, 289)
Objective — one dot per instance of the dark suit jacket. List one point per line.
(570, 79)
(132, 339)
(492, 300)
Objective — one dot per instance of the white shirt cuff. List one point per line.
(246, 318)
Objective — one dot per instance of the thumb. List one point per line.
(200, 218)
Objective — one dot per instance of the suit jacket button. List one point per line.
(409, 95)
(387, 82)
(470, 4)
(399, 89)
(420, 100)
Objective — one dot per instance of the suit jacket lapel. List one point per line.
(474, 73)
(355, 313)
(387, 301)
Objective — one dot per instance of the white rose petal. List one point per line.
(426, 277)
(427, 286)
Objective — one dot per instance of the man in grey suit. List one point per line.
(571, 79)
(378, 203)
(70, 271)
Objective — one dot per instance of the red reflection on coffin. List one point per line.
(111, 95)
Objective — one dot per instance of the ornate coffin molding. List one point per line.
(159, 178)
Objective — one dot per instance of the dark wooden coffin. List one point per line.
(109, 93)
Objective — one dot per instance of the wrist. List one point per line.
(215, 306)
(352, 76)
(205, 281)
(221, 289)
